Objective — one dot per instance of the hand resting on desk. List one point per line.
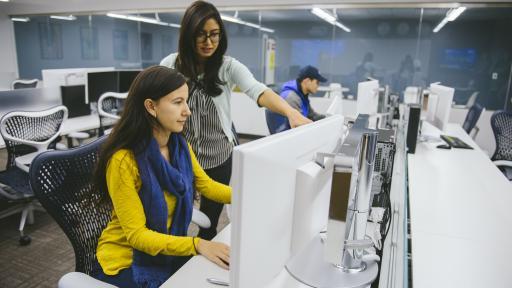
(216, 252)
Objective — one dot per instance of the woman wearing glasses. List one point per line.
(212, 76)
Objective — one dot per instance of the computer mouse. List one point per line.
(444, 146)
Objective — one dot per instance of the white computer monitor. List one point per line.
(311, 205)
(336, 106)
(263, 181)
(368, 97)
(429, 106)
(444, 105)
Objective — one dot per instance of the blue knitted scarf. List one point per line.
(159, 175)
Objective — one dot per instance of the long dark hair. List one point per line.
(193, 21)
(135, 128)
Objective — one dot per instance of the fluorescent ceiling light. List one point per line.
(142, 19)
(4, 0)
(68, 18)
(454, 13)
(242, 22)
(20, 19)
(328, 17)
(451, 15)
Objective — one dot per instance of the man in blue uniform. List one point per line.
(296, 93)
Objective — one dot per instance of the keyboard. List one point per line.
(455, 142)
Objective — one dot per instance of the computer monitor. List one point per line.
(73, 97)
(99, 83)
(444, 105)
(69, 76)
(108, 81)
(429, 106)
(368, 97)
(125, 79)
(263, 181)
(335, 107)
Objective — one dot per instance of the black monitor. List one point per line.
(99, 83)
(126, 78)
(73, 97)
(109, 81)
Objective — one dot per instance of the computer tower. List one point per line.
(413, 124)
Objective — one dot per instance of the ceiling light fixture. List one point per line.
(451, 15)
(328, 17)
(60, 17)
(235, 19)
(149, 20)
(20, 19)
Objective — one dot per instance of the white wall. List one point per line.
(8, 60)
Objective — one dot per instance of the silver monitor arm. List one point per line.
(338, 261)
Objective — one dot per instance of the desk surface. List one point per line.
(195, 272)
(460, 216)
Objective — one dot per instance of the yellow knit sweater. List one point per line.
(127, 228)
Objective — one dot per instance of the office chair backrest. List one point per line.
(28, 131)
(110, 106)
(276, 122)
(23, 84)
(501, 123)
(472, 117)
(62, 182)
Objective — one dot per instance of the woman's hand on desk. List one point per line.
(216, 252)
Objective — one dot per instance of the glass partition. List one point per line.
(397, 46)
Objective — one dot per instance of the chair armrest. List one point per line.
(200, 219)
(23, 162)
(503, 163)
(81, 280)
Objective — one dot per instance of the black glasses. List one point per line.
(213, 36)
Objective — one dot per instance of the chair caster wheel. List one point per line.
(25, 240)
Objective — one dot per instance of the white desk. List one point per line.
(195, 272)
(460, 215)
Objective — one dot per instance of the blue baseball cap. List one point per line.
(311, 72)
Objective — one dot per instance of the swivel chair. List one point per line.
(501, 123)
(23, 84)
(24, 134)
(110, 106)
(61, 181)
(472, 117)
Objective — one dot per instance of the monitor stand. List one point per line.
(310, 268)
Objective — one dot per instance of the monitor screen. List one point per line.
(73, 97)
(464, 58)
(99, 83)
(126, 78)
(264, 184)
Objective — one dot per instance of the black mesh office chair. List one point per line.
(472, 117)
(501, 123)
(61, 181)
